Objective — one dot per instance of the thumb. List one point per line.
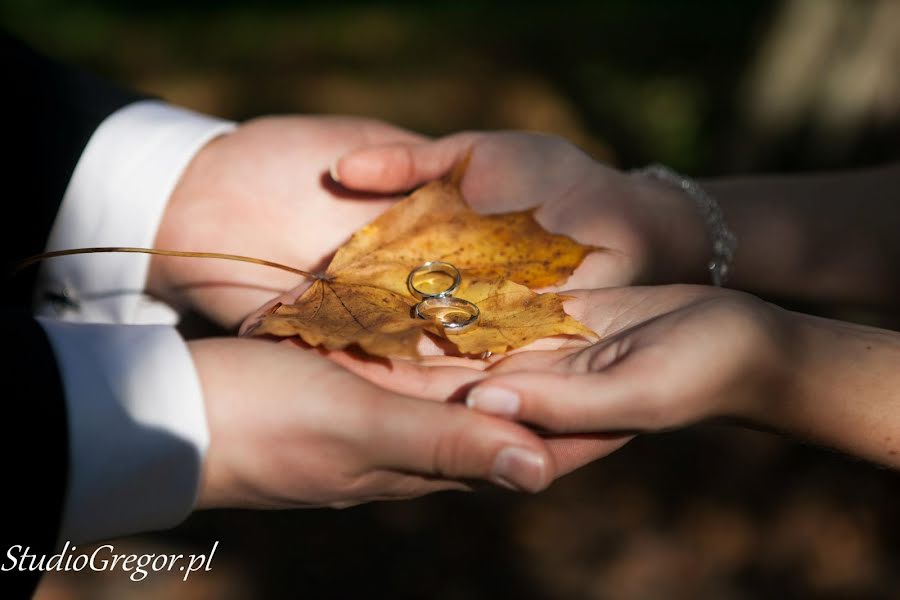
(451, 442)
(400, 166)
(606, 401)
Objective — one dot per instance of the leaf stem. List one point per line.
(257, 261)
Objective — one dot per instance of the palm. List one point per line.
(661, 325)
(681, 336)
(607, 311)
(447, 378)
(636, 219)
(264, 191)
(571, 194)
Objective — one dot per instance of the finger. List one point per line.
(571, 452)
(615, 399)
(438, 378)
(404, 486)
(390, 485)
(448, 441)
(396, 167)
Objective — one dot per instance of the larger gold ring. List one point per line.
(453, 314)
(434, 266)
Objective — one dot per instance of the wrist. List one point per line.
(182, 217)
(212, 360)
(769, 367)
(842, 390)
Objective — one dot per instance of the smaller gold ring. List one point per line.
(434, 266)
(442, 310)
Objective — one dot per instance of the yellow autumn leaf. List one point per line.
(363, 299)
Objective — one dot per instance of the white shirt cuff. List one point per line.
(138, 433)
(137, 428)
(116, 197)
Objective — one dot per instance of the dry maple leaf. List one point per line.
(512, 316)
(362, 299)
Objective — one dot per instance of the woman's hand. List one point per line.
(263, 191)
(678, 355)
(290, 428)
(655, 233)
(669, 357)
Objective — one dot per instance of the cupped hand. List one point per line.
(654, 233)
(290, 428)
(669, 357)
(441, 377)
(263, 191)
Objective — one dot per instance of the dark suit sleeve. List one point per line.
(50, 112)
(34, 445)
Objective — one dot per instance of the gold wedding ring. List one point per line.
(453, 314)
(432, 273)
(429, 283)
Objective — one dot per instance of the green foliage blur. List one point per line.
(632, 82)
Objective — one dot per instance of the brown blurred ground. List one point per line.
(708, 87)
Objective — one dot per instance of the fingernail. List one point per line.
(247, 331)
(333, 170)
(494, 400)
(519, 469)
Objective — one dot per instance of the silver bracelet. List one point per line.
(724, 242)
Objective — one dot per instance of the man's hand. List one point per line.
(263, 191)
(290, 428)
(655, 233)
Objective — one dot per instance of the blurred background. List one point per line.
(707, 87)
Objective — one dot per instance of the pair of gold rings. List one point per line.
(438, 304)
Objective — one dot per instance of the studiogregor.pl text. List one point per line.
(105, 558)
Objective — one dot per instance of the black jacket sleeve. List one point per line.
(34, 444)
(50, 112)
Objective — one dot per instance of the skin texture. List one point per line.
(836, 232)
(673, 356)
(695, 354)
(291, 429)
(666, 360)
(836, 235)
(349, 430)
(655, 236)
(262, 191)
(446, 378)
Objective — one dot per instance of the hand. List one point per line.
(655, 233)
(444, 379)
(290, 428)
(262, 191)
(674, 356)
(669, 357)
